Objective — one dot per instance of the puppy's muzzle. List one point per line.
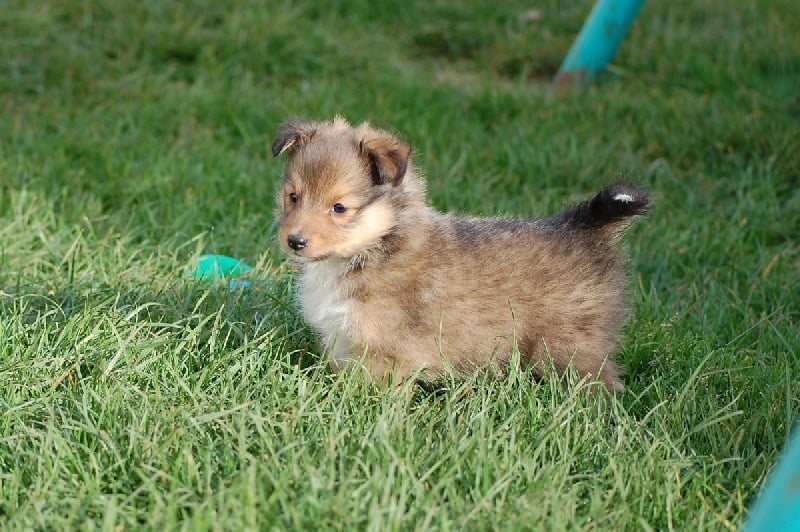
(296, 242)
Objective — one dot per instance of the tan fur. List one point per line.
(408, 292)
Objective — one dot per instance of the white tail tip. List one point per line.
(627, 198)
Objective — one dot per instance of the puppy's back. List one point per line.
(554, 289)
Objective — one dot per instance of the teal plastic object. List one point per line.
(216, 267)
(597, 42)
(777, 507)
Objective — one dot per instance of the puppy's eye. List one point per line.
(338, 208)
(293, 197)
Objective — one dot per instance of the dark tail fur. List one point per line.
(612, 208)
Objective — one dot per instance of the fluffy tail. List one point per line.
(611, 209)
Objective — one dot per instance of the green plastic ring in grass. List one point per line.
(216, 267)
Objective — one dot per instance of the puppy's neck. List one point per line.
(406, 239)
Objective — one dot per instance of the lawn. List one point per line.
(135, 137)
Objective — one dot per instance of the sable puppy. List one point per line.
(392, 285)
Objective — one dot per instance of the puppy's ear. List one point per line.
(292, 134)
(387, 156)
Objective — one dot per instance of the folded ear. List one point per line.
(292, 134)
(388, 157)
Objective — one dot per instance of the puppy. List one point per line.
(406, 292)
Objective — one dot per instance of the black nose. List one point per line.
(296, 242)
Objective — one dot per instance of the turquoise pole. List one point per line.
(777, 507)
(597, 41)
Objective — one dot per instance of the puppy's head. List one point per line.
(338, 195)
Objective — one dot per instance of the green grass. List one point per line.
(134, 137)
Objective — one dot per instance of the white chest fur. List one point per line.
(326, 305)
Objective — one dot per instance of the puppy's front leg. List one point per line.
(387, 372)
